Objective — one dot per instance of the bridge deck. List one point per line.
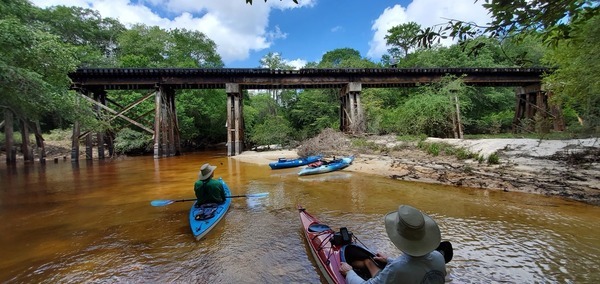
(257, 78)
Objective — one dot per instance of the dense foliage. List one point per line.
(575, 81)
(41, 46)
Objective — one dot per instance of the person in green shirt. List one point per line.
(207, 189)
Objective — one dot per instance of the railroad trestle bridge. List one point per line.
(93, 84)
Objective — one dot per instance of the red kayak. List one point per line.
(329, 248)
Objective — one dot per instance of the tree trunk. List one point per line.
(39, 141)
(11, 156)
(27, 153)
(458, 123)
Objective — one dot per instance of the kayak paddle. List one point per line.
(165, 202)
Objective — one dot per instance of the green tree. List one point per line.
(192, 49)
(274, 130)
(143, 46)
(33, 66)
(553, 21)
(201, 113)
(274, 61)
(337, 57)
(428, 111)
(575, 81)
(401, 38)
(93, 35)
(314, 111)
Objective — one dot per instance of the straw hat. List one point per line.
(206, 171)
(411, 231)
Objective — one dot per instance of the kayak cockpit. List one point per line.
(317, 228)
(353, 252)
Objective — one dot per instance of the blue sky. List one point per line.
(300, 33)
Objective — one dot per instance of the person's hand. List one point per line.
(381, 257)
(344, 268)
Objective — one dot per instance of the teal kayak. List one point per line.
(206, 217)
(283, 163)
(334, 165)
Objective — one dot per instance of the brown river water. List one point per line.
(93, 222)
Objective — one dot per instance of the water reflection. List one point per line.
(92, 222)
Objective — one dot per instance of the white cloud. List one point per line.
(236, 27)
(276, 34)
(426, 13)
(336, 29)
(296, 63)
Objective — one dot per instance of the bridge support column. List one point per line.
(174, 129)
(235, 121)
(157, 123)
(351, 115)
(533, 113)
(76, 130)
(100, 98)
(166, 129)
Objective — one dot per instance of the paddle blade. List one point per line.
(161, 202)
(262, 194)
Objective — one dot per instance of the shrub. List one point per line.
(434, 149)
(493, 159)
(275, 130)
(130, 142)
(59, 135)
(329, 141)
(362, 143)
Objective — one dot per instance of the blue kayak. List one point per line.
(334, 165)
(206, 217)
(283, 163)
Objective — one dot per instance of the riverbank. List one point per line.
(565, 168)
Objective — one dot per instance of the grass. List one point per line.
(435, 149)
(17, 138)
(493, 159)
(59, 135)
(54, 135)
(411, 138)
(363, 143)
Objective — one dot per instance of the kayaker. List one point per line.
(207, 189)
(417, 235)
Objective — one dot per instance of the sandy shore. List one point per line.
(565, 168)
(549, 167)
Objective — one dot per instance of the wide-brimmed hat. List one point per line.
(206, 171)
(411, 231)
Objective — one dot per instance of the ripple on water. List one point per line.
(99, 226)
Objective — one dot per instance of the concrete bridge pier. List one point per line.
(351, 115)
(235, 120)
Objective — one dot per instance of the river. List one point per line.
(92, 222)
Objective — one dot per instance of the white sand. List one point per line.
(516, 147)
(265, 157)
(526, 165)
